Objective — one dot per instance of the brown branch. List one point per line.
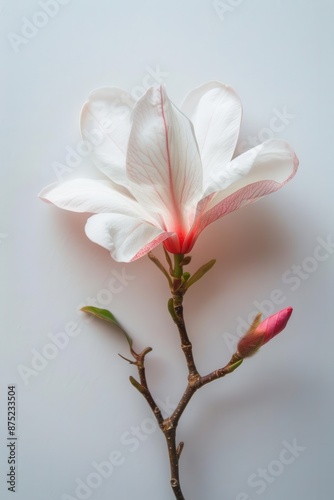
(142, 387)
(178, 286)
(186, 345)
(174, 455)
(175, 307)
(232, 365)
(170, 424)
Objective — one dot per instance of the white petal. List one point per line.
(106, 124)
(126, 238)
(163, 161)
(260, 171)
(234, 170)
(89, 195)
(215, 110)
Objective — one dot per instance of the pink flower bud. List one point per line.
(260, 334)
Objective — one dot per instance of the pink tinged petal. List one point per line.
(126, 238)
(215, 111)
(258, 172)
(151, 245)
(105, 124)
(163, 161)
(89, 195)
(274, 324)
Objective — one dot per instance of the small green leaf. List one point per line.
(234, 366)
(172, 310)
(157, 262)
(106, 316)
(168, 259)
(185, 277)
(137, 385)
(200, 272)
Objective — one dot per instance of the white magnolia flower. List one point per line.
(169, 171)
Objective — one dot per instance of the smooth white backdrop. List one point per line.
(77, 408)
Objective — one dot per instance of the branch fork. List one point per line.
(179, 282)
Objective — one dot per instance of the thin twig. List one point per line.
(142, 387)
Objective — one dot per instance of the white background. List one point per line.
(73, 412)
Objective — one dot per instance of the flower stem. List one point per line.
(178, 292)
(195, 381)
(186, 345)
(178, 267)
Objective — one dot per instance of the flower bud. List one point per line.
(260, 333)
